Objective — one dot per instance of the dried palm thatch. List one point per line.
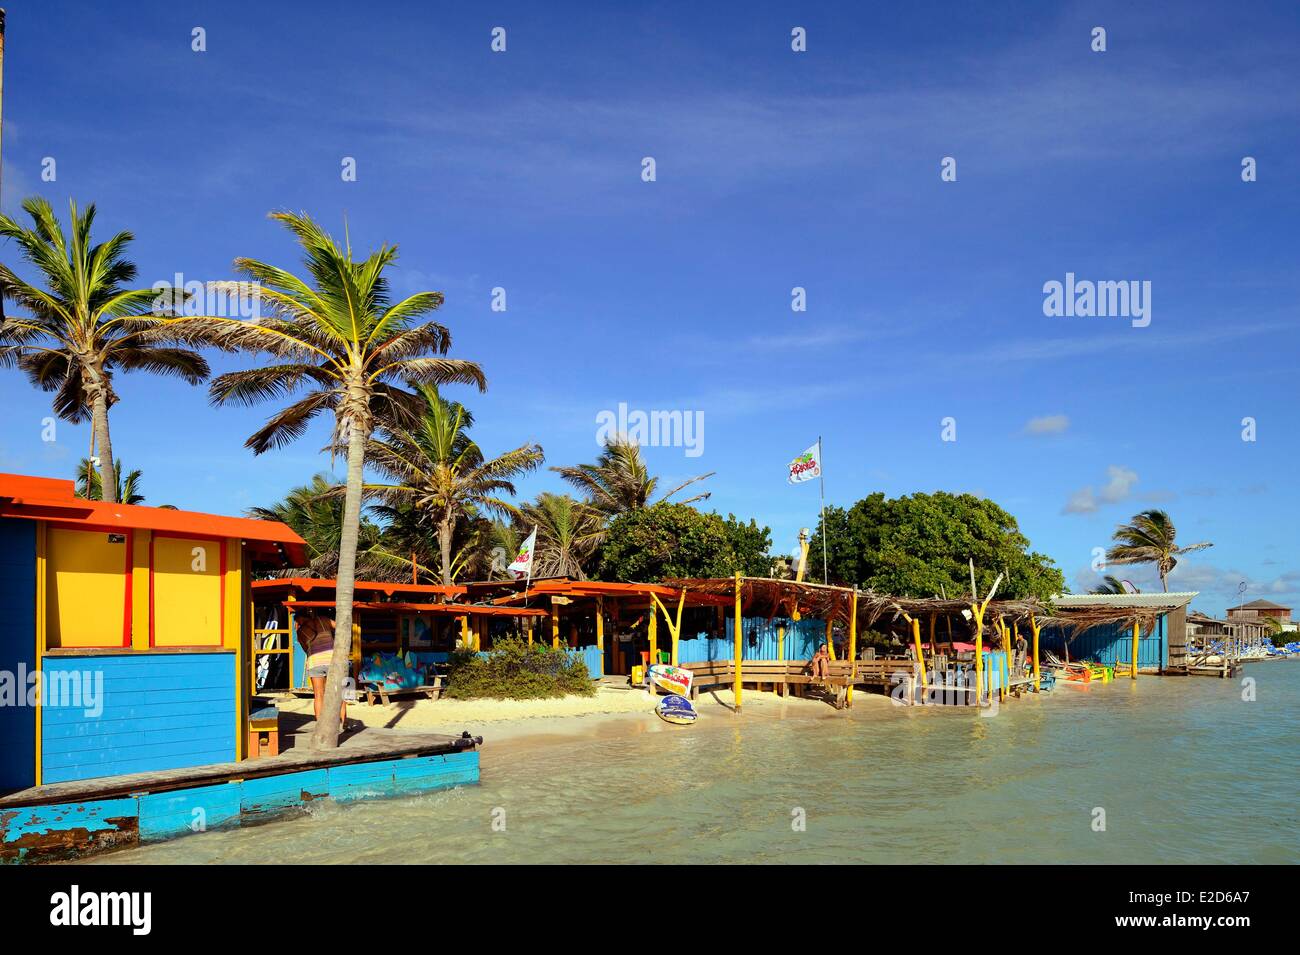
(770, 597)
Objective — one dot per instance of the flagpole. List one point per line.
(821, 468)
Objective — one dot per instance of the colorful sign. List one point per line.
(676, 709)
(673, 679)
(807, 466)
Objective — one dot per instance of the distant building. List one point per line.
(1161, 647)
(1261, 610)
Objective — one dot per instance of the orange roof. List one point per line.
(52, 499)
(560, 586)
(387, 588)
(453, 610)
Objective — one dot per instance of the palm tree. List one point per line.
(1149, 539)
(1113, 585)
(343, 340)
(87, 324)
(566, 534)
(619, 480)
(438, 468)
(91, 487)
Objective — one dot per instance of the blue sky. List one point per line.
(775, 169)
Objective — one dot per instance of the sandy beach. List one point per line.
(612, 711)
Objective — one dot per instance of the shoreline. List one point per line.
(614, 711)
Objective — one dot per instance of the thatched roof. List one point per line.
(770, 597)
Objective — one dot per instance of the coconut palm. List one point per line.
(339, 337)
(1149, 539)
(1114, 585)
(435, 465)
(91, 487)
(315, 512)
(619, 480)
(86, 324)
(566, 534)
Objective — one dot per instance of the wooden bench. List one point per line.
(783, 674)
(372, 692)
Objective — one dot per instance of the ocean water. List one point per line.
(1184, 770)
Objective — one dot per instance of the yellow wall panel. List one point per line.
(85, 589)
(186, 597)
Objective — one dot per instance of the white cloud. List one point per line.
(1118, 487)
(1048, 424)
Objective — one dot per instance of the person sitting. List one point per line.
(820, 664)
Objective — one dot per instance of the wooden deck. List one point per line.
(363, 746)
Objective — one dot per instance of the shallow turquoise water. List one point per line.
(1185, 770)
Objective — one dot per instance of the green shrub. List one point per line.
(512, 670)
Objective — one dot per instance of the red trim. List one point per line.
(221, 580)
(126, 607)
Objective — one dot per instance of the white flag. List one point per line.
(522, 566)
(807, 466)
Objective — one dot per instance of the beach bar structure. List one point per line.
(1107, 628)
(136, 620)
(124, 687)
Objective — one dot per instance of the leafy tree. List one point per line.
(751, 546)
(675, 540)
(86, 324)
(315, 512)
(1149, 539)
(919, 545)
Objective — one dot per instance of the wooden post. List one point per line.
(1033, 625)
(573, 632)
(739, 649)
(528, 624)
(830, 638)
(677, 627)
(920, 653)
(464, 631)
(1137, 631)
(853, 647)
(978, 611)
(780, 643)
(654, 634)
(555, 626)
(600, 627)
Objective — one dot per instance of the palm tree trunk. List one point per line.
(326, 735)
(99, 422)
(444, 545)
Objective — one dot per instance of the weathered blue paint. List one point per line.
(760, 641)
(44, 833)
(272, 794)
(17, 653)
(1113, 644)
(171, 814)
(144, 712)
(593, 657)
(63, 830)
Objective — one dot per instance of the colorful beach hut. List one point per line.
(126, 632)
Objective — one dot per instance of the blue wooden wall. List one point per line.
(759, 641)
(160, 711)
(1113, 644)
(593, 657)
(17, 651)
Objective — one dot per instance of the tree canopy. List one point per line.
(918, 546)
(676, 540)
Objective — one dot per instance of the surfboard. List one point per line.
(676, 709)
(673, 679)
